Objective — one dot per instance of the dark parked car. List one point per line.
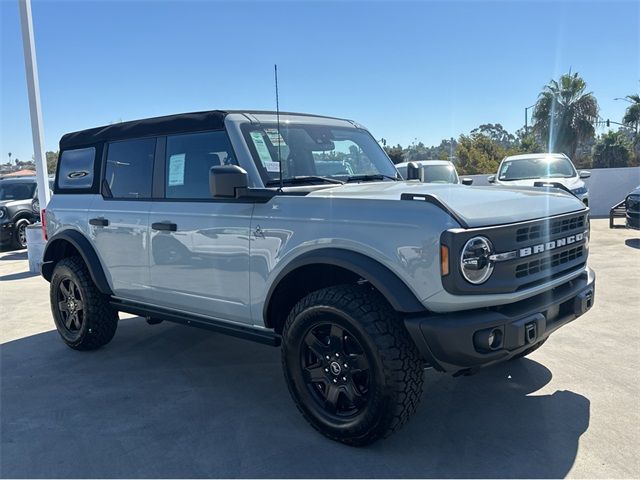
(19, 207)
(632, 207)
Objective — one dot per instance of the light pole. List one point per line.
(33, 90)
(526, 119)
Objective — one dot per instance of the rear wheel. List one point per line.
(350, 365)
(82, 314)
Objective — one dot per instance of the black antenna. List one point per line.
(275, 69)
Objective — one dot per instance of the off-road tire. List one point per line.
(396, 369)
(99, 320)
(529, 350)
(19, 234)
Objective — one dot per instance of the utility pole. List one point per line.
(526, 119)
(33, 90)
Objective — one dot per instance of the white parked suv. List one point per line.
(433, 171)
(553, 168)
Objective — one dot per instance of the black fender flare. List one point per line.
(396, 291)
(55, 246)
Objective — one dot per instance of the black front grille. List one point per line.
(535, 232)
(543, 264)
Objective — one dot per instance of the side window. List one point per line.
(189, 160)
(75, 168)
(129, 169)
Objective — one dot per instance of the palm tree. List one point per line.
(632, 114)
(565, 114)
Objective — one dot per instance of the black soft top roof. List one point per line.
(179, 123)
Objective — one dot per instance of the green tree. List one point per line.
(478, 153)
(52, 161)
(632, 114)
(396, 154)
(565, 114)
(497, 133)
(611, 150)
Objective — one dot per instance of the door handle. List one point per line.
(99, 222)
(164, 226)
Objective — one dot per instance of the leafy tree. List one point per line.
(478, 153)
(497, 133)
(632, 114)
(565, 114)
(396, 154)
(527, 142)
(611, 150)
(52, 161)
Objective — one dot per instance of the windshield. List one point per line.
(316, 151)
(540, 167)
(439, 174)
(17, 191)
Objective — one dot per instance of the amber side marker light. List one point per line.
(444, 260)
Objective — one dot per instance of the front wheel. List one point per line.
(20, 234)
(350, 365)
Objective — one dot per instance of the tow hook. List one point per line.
(530, 332)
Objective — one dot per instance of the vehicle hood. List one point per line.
(477, 206)
(11, 203)
(571, 182)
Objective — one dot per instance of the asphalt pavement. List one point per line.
(172, 401)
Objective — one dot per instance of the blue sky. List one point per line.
(406, 70)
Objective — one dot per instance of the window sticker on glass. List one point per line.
(176, 169)
(261, 147)
(274, 137)
(272, 166)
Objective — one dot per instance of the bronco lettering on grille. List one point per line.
(545, 247)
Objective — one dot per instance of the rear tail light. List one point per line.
(43, 221)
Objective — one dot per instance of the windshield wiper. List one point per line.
(372, 176)
(305, 179)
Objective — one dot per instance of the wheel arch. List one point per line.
(70, 243)
(333, 266)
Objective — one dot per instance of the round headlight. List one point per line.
(1, 212)
(475, 264)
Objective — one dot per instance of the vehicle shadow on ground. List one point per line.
(13, 254)
(632, 242)
(17, 276)
(170, 401)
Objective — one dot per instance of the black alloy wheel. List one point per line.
(70, 305)
(83, 316)
(351, 368)
(336, 370)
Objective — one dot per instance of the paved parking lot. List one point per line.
(170, 401)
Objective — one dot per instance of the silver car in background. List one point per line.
(434, 171)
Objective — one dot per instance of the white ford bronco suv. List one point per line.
(296, 230)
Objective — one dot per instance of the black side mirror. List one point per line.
(413, 171)
(467, 181)
(225, 180)
(491, 178)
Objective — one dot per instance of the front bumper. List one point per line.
(458, 341)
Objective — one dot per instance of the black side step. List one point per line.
(234, 330)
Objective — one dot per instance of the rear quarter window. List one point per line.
(75, 168)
